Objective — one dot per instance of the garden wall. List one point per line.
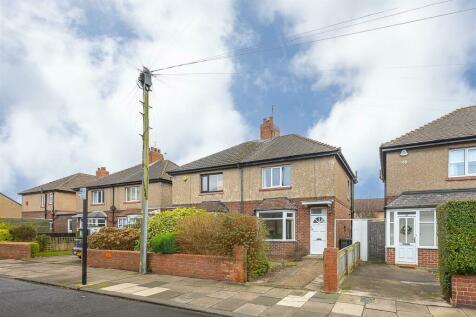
(15, 250)
(463, 290)
(190, 265)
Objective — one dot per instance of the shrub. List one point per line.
(5, 225)
(35, 249)
(457, 241)
(164, 243)
(114, 239)
(166, 221)
(5, 235)
(42, 240)
(25, 233)
(218, 234)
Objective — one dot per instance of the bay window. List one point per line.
(132, 193)
(462, 162)
(276, 176)
(98, 197)
(280, 224)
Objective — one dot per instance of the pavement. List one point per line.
(225, 298)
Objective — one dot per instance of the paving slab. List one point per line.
(251, 309)
(317, 307)
(445, 312)
(223, 294)
(410, 307)
(247, 296)
(471, 312)
(279, 311)
(153, 284)
(351, 299)
(205, 301)
(265, 300)
(411, 314)
(150, 291)
(229, 304)
(166, 295)
(378, 313)
(186, 298)
(278, 292)
(382, 304)
(304, 313)
(347, 308)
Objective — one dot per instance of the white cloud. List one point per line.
(69, 101)
(378, 100)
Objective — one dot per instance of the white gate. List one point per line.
(359, 234)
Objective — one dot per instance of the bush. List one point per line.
(456, 240)
(217, 234)
(25, 233)
(35, 249)
(114, 239)
(5, 226)
(166, 221)
(42, 240)
(5, 235)
(164, 243)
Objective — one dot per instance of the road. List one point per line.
(18, 298)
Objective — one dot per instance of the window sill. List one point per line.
(132, 202)
(275, 240)
(461, 178)
(98, 204)
(211, 193)
(275, 188)
(428, 248)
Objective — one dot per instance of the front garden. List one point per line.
(191, 234)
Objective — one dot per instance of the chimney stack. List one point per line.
(102, 172)
(155, 155)
(268, 129)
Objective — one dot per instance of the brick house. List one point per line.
(56, 201)
(115, 200)
(296, 185)
(9, 208)
(369, 208)
(433, 164)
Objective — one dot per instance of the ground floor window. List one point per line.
(403, 225)
(94, 222)
(280, 224)
(123, 222)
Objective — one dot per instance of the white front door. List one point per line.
(406, 252)
(318, 233)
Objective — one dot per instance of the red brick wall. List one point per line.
(342, 226)
(390, 255)
(34, 214)
(15, 250)
(284, 250)
(114, 259)
(190, 265)
(428, 258)
(201, 266)
(463, 290)
(331, 277)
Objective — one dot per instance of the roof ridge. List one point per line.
(445, 116)
(315, 141)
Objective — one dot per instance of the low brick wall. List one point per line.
(15, 250)
(331, 275)
(428, 258)
(390, 255)
(189, 265)
(463, 290)
(114, 259)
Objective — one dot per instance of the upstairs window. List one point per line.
(42, 200)
(132, 193)
(462, 162)
(276, 176)
(50, 198)
(211, 183)
(98, 197)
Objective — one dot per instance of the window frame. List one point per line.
(435, 235)
(283, 218)
(127, 220)
(102, 197)
(465, 160)
(202, 176)
(42, 201)
(137, 191)
(281, 178)
(50, 198)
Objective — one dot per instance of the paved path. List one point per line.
(221, 297)
(20, 299)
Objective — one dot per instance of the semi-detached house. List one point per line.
(296, 185)
(433, 164)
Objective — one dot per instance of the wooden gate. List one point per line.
(376, 241)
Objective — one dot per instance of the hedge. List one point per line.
(166, 221)
(456, 241)
(110, 238)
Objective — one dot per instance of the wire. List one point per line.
(316, 40)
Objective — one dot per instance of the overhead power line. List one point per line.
(317, 40)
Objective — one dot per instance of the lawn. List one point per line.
(54, 253)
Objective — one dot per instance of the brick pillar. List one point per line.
(331, 276)
(240, 274)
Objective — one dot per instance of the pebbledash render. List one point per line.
(296, 185)
(433, 164)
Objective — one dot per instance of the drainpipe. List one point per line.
(53, 213)
(113, 208)
(242, 208)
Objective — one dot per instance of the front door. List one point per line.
(406, 252)
(318, 232)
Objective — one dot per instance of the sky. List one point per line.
(351, 74)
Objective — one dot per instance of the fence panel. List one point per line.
(347, 259)
(60, 244)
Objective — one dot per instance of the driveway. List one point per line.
(393, 282)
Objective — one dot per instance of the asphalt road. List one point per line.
(18, 298)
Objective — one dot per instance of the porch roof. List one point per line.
(280, 203)
(420, 199)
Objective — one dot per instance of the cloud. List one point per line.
(379, 99)
(69, 101)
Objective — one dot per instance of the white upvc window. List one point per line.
(42, 200)
(427, 235)
(276, 176)
(94, 222)
(391, 228)
(132, 193)
(280, 224)
(70, 225)
(462, 162)
(98, 197)
(123, 222)
(50, 198)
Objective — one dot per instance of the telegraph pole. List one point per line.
(145, 82)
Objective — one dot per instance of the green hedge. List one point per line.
(166, 221)
(456, 241)
(35, 249)
(164, 243)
